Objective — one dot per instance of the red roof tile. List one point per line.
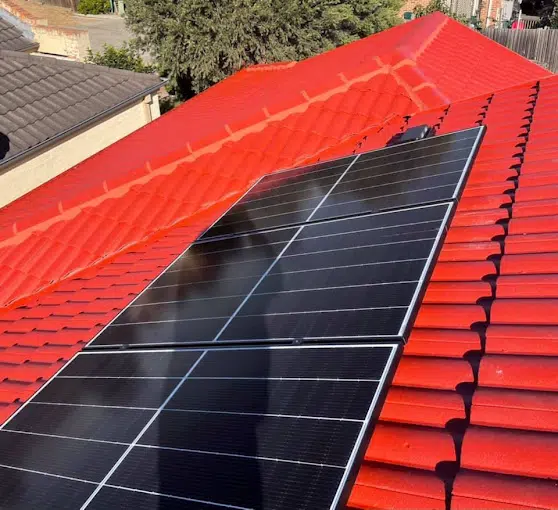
(515, 409)
(416, 447)
(526, 340)
(491, 491)
(78, 249)
(524, 453)
(386, 487)
(520, 372)
(419, 407)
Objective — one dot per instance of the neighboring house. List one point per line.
(487, 11)
(11, 38)
(54, 114)
(55, 30)
(470, 420)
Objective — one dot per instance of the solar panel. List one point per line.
(286, 319)
(414, 173)
(353, 277)
(278, 427)
(280, 199)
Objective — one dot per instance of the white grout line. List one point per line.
(180, 498)
(70, 438)
(239, 456)
(35, 472)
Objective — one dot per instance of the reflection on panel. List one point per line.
(392, 179)
(420, 172)
(285, 198)
(356, 277)
(194, 298)
(240, 428)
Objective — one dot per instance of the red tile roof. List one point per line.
(470, 418)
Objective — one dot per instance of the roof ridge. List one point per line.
(277, 66)
(20, 237)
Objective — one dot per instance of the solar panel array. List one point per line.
(406, 175)
(356, 277)
(213, 427)
(249, 374)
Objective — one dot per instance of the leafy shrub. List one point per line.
(125, 57)
(94, 6)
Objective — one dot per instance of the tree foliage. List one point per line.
(93, 6)
(199, 42)
(125, 57)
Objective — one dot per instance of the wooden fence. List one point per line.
(539, 45)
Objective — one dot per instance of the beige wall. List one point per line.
(24, 176)
(67, 42)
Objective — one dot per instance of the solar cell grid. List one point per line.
(392, 179)
(193, 300)
(281, 199)
(263, 424)
(353, 277)
(425, 146)
(414, 173)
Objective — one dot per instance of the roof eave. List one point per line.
(32, 46)
(82, 125)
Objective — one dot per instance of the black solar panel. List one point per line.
(414, 173)
(284, 198)
(356, 277)
(353, 277)
(263, 427)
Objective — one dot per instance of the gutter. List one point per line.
(82, 125)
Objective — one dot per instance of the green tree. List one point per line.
(125, 57)
(197, 43)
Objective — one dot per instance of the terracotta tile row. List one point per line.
(434, 426)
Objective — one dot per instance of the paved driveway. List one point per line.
(103, 30)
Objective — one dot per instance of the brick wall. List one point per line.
(490, 11)
(409, 5)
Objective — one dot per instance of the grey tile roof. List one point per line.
(11, 38)
(42, 98)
